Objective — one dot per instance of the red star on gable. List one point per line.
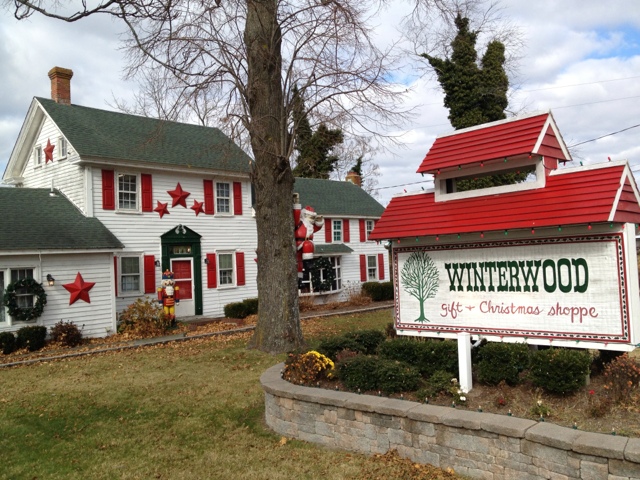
(162, 209)
(48, 152)
(198, 207)
(179, 196)
(79, 289)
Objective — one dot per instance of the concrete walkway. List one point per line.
(181, 337)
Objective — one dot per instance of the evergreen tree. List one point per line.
(474, 94)
(314, 148)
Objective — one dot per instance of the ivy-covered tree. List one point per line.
(475, 93)
(420, 279)
(315, 159)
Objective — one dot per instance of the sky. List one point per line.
(580, 59)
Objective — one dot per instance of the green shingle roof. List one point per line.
(113, 135)
(35, 220)
(330, 197)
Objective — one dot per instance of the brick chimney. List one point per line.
(61, 85)
(354, 178)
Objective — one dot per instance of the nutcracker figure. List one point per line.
(306, 222)
(168, 295)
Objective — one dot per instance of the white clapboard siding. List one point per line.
(141, 232)
(60, 173)
(95, 319)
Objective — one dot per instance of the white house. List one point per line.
(127, 197)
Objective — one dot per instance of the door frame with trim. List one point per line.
(182, 243)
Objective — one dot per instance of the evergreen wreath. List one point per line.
(319, 264)
(21, 313)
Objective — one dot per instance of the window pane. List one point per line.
(337, 230)
(226, 261)
(130, 265)
(223, 198)
(225, 269)
(127, 192)
(369, 227)
(130, 283)
(372, 269)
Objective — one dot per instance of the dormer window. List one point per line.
(62, 148)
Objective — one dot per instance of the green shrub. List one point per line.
(143, 318)
(7, 342)
(368, 339)
(242, 309)
(378, 291)
(439, 382)
(559, 370)
(31, 337)
(333, 345)
(66, 333)
(502, 362)
(427, 356)
(367, 373)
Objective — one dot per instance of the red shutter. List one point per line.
(363, 231)
(381, 266)
(363, 268)
(108, 190)
(208, 197)
(237, 198)
(240, 269)
(147, 192)
(328, 235)
(346, 233)
(149, 274)
(115, 272)
(212, 271)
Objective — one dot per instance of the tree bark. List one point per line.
(278, 329)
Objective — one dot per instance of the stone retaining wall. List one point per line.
(475, 444)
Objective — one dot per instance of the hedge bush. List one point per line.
(499, 362)
(7, 342)
(369, 340)
(378, 291)
(427, 356)
(143, 318)
(31, 337)
(366, 373)
(248, 306)
(66, 333)
(332, 346)
(559, 370)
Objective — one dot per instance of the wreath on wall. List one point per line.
(25, 314)
(320, 285)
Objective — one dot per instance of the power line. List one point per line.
(603, 136)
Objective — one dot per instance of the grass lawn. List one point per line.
(188, 410)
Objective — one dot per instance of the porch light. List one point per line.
(51, 280)
(157, 263)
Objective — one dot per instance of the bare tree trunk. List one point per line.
(278, 329)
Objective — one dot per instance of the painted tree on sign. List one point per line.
(420, 279)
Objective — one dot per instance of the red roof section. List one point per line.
(535, 134)
(585, 195)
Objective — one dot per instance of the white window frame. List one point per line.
(37, 156)
(119, 208)
(367, 230)
(336, 263)
(140, 274)
(5, 318)
(372, 268)
(228, 198)
(233, 269)
(336, 230)
(62, 148)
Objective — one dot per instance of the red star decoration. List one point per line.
(198, 207)
(162, 209)
(179, 196)
(79, 289)
(48, 152)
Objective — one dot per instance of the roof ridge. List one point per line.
(495, 123)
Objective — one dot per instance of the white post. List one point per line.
(464, 361)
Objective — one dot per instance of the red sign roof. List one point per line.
(579, 195)
(532, 135)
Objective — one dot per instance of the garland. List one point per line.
(21, 313)
(319, 264)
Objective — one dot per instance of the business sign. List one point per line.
(571, 288)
